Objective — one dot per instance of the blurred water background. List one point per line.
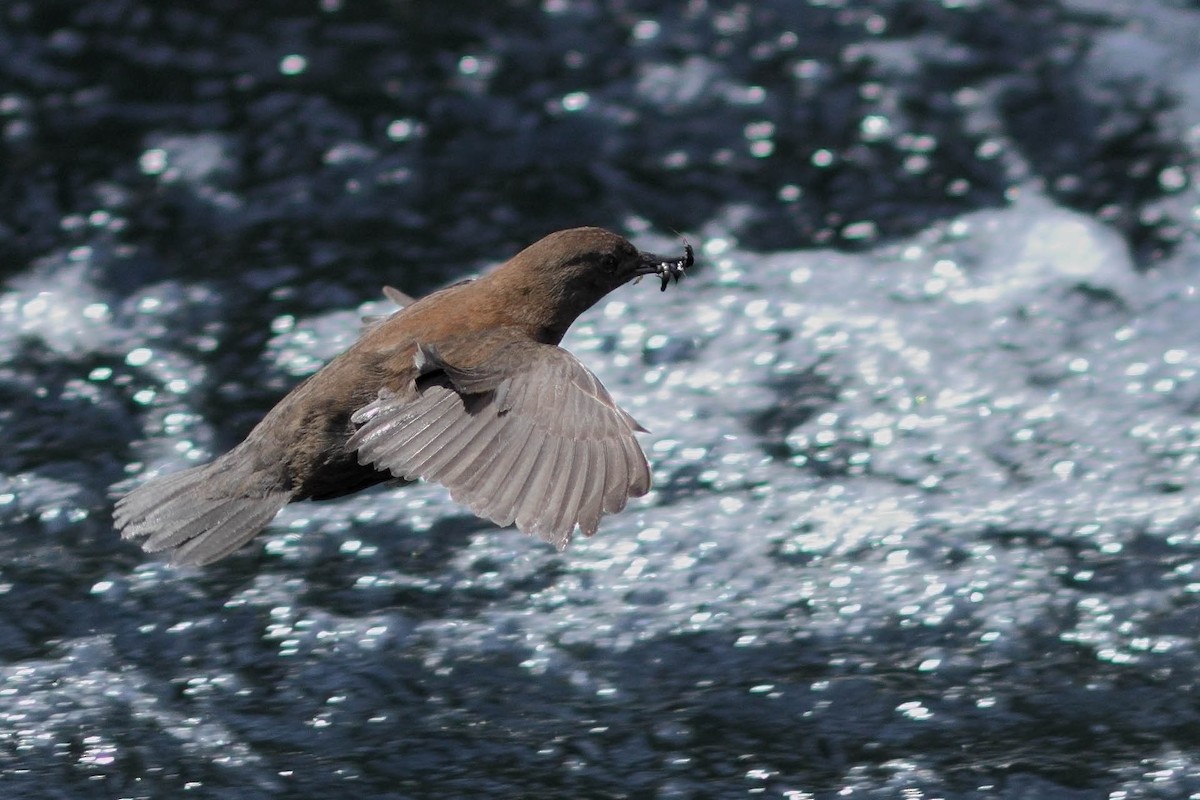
(925, 419)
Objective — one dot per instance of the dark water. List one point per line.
(926, 419)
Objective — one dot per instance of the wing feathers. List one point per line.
(592, 501)
(572, 495)
(519, 451)
(538, 489)
(544, 445)
(410, 436)
(507, 502)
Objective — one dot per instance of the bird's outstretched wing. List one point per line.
(532, 437)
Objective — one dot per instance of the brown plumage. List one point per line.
(466, 387)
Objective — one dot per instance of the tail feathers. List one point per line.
(201, 514)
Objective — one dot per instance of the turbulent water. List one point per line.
(925, 419)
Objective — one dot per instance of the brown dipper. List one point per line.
(466, 387)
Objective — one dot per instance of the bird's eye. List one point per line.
(609, 262)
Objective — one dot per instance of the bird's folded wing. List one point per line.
(535, 440)
(403, 301)
(398, 297)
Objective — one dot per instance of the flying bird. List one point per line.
(466, 387)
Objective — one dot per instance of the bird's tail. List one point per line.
(201, 514)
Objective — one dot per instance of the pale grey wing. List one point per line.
(547, 447)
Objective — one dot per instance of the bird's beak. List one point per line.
(665, 268)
